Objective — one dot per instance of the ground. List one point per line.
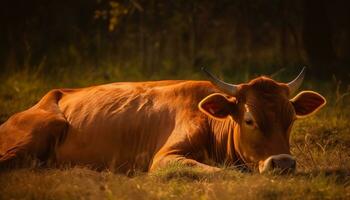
(320, 144)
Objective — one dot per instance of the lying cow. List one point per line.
(147, 125)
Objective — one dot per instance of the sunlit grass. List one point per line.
(82, 183)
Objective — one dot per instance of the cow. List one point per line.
(145, 126)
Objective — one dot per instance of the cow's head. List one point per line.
(264, 114)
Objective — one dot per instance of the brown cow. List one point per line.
(146, 125)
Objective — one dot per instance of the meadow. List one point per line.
(320, 144)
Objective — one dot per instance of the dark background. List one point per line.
(158, 37)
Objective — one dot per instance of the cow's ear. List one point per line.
(217, 105)
(307, 103)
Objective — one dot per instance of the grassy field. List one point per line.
(320, 143)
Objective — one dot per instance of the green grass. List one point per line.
(320, 143)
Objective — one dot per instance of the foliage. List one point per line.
(176, 36)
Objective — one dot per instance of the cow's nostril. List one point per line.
(281, 162)
(273, 164)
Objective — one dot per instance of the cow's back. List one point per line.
(122, 125)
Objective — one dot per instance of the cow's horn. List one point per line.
(230, 89)
(295, 84)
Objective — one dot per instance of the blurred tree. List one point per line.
(176, 36)
(317, 37)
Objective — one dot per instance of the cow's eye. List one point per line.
(249, 122)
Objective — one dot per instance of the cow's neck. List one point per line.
(222, 143)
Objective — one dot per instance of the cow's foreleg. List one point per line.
(167, 160)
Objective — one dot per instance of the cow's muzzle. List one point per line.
(283, 163)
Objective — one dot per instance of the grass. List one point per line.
(184, 183)
(320, 144)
